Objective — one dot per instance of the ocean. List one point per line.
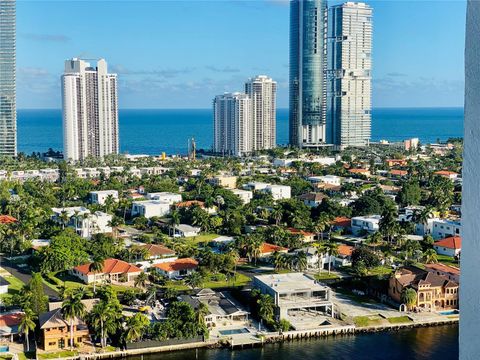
(407, 344)
(168, 130)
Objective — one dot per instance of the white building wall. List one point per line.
(470, 291)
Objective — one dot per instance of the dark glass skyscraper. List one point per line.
(8, 113)
(308, 65)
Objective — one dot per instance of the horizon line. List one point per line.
(278, 108)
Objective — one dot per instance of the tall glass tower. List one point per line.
(8, 112)
(308, 65)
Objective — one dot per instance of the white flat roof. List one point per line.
(290, 282)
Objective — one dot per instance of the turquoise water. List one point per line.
(410, 344)
(233, 331)
(154, 131)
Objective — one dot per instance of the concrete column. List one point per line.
(470, 258)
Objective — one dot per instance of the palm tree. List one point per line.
(265, 307)
(27, 324)
(320, 248)
(135, 326)
(64, 218)
(409, 298)
(301, 261)
(374, 239)
(96, 266)
(141, 280)
(332, 249)
(430, 256)
(321, 225)
(100, 315)
(194, 280)
(73, 308)
(277, 215)
(200, 313)
(175, 220)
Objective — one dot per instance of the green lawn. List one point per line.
(399, 320)
(57, 355)
(363, 321)
(380, 270)
(240, 280)
(14, 287)
(203, 238)
(447, 260)
(326, 276)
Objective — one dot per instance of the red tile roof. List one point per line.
(453, 242)
(342, 221)
(345, 250)
(177, 265)
(358, 171)
(267, 248)
(187, 204)
(7, 219)
(299, 232)
(110, 266)
(399, 172)
(443, 268)
(10, 319)
(158, 250)
(445, 173)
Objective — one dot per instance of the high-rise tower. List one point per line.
(8, 112)
(262, 90)
(90, 110)
(232, 124)
(308, 65)
(349, 74)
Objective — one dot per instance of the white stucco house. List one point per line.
(279, 192)
(244, 195)
(150, 208)
(99, 197)
(450, 246)
(167, 197)
(82, 220)
(369, 224)
(177, 268)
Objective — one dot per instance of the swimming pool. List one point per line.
(449, 312)
(4, 348)
(233, 331)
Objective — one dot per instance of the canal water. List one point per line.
(409, 344)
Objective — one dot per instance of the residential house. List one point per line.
(82, 220)
(7, 219)
(294, 291)
(312, 199)
(165, 197)
(150, 208)
(279, 192)
(442, 228)
(177, 268)
(305, 236)
(396, 162)
(221, 307)
(363, 172)
(184, 231)
(113, 271)
(450, 246)
(450, 272)
(55, 331)
(267, 250)
(244, 195)
(327, 179)
(344, 256)
(398, 174)
(434, 292)
(341, 223)
(447, 174)
(255, 186)
(228, 182)
(99, 197)
(9, 326)
(365, 224)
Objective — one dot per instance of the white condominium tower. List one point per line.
(8, 112)
(350, 65)
(262, 90)
(90, 110)
(232, 124)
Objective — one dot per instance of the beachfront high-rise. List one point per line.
(262, 90)
(8, 112)
(349, 74)
(90, 110)
(308, 64)
(232, 124)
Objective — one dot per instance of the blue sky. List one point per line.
(180, 54)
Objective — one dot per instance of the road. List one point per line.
(24, 276)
